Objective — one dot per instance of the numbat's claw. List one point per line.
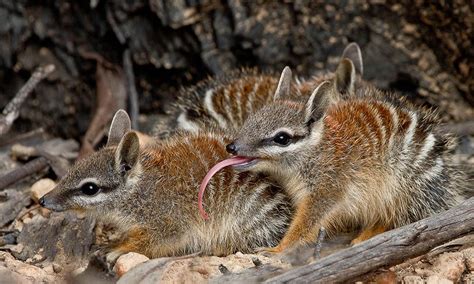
(268, 251)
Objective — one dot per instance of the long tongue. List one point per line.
(228, 162)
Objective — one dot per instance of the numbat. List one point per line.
(149, 193)
(351, 157)
(224, 103)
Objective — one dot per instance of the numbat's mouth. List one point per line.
(237, 162)
(246, 164)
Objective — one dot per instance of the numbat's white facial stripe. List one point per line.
(84, 200)
(87, 180)
(313, 140)
(286, 130)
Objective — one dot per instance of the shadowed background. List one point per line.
(419, 48)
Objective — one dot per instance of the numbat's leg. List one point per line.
(368, 233)
(305, 225)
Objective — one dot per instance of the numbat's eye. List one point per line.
(282, 138)
(90, 188)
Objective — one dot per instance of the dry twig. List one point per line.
(21, 137)
(12, 109)
(319, 242)
(27, 169)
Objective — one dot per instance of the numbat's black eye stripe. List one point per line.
(282, 138)
(90, 189)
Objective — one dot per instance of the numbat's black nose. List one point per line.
(41, 201)
(231, 148)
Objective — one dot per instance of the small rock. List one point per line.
(41, 187)
(48, 269)
(26, 220)
(469, 258)
(128, 261)
(21, 152)
(24, 272)
(17, 249)
(409, 28)
(435, 279)
(77, 271)
(57, 268)
(412, 279)
(450, 266)
(223, 269)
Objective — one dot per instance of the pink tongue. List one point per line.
(228, 162)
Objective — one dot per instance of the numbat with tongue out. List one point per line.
(350, 158)
(149, 193)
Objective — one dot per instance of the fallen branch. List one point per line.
(27, 169)
(12, 109)
(387, 249)
(37, 133)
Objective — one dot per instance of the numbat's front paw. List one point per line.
(356, 241)
(268, 250)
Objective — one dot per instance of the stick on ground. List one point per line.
(12, 109)
(19, 173)
(386, 249)
(319, 242)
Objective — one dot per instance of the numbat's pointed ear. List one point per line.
(345, 77)
(354, 54)
(283, 89)
(119, 127)
(126, 155)
(321, 98)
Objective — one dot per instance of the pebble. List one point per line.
(21, 152)
(128, 261)
(41, 187)
(57, 268)
(469, 258)
(450, 266)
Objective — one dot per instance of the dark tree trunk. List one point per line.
(421, 49)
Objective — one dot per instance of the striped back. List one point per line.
(223, 104)
(394, 149)
(246, 210)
